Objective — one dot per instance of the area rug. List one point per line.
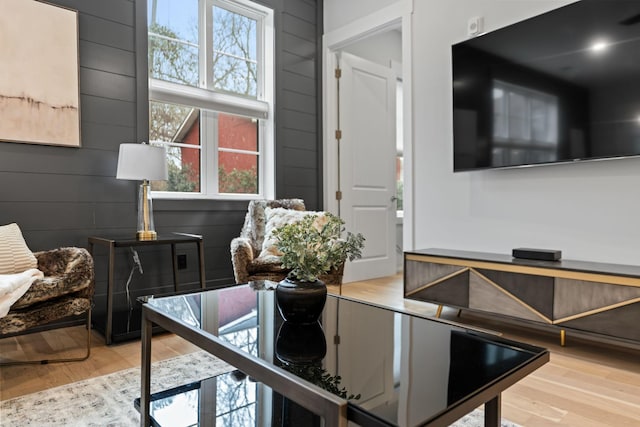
(108, 400)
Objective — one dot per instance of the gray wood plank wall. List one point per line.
(59, 196)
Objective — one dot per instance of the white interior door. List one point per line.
(367, 163)
(358, 367)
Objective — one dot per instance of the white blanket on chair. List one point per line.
(13, 286)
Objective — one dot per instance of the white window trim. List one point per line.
(206, 99)
(211, 102)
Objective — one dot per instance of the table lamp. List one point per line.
(143, 162)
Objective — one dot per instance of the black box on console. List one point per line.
(539, 254)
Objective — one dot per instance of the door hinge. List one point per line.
(336, 339)
(338, 73)
(338, 195)
(338, 134)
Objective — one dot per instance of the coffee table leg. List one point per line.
(145, 371)
(492, 414)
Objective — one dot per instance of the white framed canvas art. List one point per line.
(39, 83)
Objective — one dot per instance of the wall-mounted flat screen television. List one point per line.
(559, 87)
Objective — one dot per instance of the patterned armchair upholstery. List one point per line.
(245, 250)
(66, 290)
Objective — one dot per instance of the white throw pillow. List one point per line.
(277, 217)
(15, 256)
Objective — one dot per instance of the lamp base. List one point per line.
(146, 230)
(146, 235)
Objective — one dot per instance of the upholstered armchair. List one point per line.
(66, 290)
(252, 259)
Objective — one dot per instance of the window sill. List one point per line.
(199, 204)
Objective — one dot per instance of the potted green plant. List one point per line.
(311, 247)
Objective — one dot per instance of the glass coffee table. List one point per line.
(367, 364)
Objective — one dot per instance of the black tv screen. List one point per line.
(559, 87)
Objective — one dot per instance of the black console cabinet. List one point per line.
(573, 295)
(126, 329)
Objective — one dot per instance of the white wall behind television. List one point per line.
(590, 211)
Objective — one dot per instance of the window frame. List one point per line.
(529, 96)
(516, 148)
(211, 103)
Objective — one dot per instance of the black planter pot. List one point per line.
(301, 343)
(301, 302)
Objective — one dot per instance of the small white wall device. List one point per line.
(475, 25)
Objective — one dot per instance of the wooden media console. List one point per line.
(590, 297)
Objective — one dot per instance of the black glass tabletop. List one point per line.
(230, 399)
(394, 368)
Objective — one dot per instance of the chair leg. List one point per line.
(62, 360)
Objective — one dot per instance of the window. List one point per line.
(525, 125)
(211, 97)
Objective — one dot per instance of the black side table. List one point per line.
(126, 242)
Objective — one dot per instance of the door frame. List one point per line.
(393, 16)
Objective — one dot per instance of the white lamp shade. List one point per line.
(142, 161)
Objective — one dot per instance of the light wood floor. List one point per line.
(585, 384)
